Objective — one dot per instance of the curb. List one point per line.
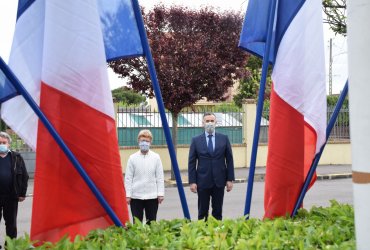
(261, 177)
(334, 176)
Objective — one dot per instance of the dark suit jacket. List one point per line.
(207, 169)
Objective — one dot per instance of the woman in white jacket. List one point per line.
(144, 180)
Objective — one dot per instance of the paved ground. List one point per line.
(324, 172)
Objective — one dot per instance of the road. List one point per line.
(320, 195)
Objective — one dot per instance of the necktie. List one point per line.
(210, 143)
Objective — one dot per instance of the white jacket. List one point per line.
(144, 177)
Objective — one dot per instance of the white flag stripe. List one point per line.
(34, 34)
(28, 60)
(299, 71)
(76, 79)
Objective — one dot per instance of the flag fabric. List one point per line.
(119, 28)
(297, 125)
(58, 55)
(7, 91)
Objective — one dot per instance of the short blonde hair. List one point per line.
(145, 133)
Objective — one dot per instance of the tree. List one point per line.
(333, 99)
(2, 125)
(196, 56)
(335, 11)
(249, 86)
(127, 96)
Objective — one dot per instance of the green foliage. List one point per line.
(266, 109)
(226, 107)
(249, 86)
(343, 116)
(2, 125)
(127, 96)
(335, 11)
(319, 228)
(333, 99)
(222, 107)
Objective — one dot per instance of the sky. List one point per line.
(8, 10)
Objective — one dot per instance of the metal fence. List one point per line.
(130, 122)
(264, 128)
(340, 130)
(189, 124)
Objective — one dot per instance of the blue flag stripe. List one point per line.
(23, 6)
(120, 31)
(254, 31)
(287, 10)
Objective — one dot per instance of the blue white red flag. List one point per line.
(297, 123)
(59, 54)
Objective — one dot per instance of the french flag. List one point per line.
(59, 54)
(297, 126)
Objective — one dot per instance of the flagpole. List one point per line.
(261, 94)
(157, 91)
(21, 90)
(316, 160)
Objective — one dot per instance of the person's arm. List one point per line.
(129, 176)
(160, 180)
(192, 168)
(229, 166)
(24, 184)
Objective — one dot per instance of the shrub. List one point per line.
(319, 228)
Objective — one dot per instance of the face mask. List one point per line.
(144, 146)
(3, 148)
(210, 127)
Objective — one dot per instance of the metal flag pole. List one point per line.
(21, 90)
(158, 95)
(261, 93)
(316, 160)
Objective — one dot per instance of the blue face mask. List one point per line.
(144, 146)
(4, 148)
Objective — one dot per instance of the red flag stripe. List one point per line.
(75, 208)
(285, 173)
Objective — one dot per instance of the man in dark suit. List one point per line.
(211, 168)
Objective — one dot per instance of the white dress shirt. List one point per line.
(144, 177)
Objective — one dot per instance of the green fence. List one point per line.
(189, 124)
(128, 136)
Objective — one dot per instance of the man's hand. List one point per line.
(128, 200)
(160, 199)
(21, 199)
(193, 187)
(229, 186)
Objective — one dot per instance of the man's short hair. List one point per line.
(209, 113)
(145, 133)
(6, 136)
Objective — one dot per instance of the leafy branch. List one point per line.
(335, 11)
